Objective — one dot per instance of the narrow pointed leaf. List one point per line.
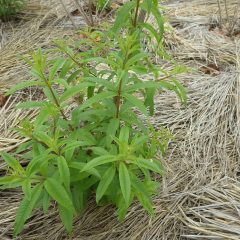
(58, 193)
(23, 85)
(125, 182)
(12, 162)
(105, 182)
(64, 171)
(25, 209)
(150, 164)
(99, 161)
(67, 217)
(136, 102)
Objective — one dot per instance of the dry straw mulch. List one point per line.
(200, 193)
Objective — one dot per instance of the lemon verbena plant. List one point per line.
(92, 133)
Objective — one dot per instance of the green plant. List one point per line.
(102, 4)
(9, 8)
(88, 136)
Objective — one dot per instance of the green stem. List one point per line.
(119, 96)
(136, 14)
(118, 99)
(56, 101)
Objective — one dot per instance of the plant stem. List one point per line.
(118, 98)
(136, 14)
(56, 101)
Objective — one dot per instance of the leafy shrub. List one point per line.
(9, 8)
(88, 136)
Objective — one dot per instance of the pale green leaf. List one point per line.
(25, 209)
(150, 164)
(97, 98)
(58, 193)
(136, 103)
(23, 85)
(66, 216)
(64, 171)
(12, 162)
(125, 182)
(105, 182)
(99, 161)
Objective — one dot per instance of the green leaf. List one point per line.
(123, 16)
(146, 202)
(150, 164)
(37, 162)
(74, 90)
(67, 217)
(136, 103)
(75, 144)
(137, 141)
(25, 209)
(46, 201)
(43, 137)
(67, 66)
(42, 117)
(97, 98)
(160, 21)
(62, 82)
(23, 85)
(99, 151)
(105, 182)
(9, 180)
(12, 162)
(24, 146)
(26, 188)
(99, 161)
(149, 99)
(124, 134)
(112, 130)
(181, 92)
(152, 31)
(64, 171)
(58, 193)
(73, 76)
(80, 166)
(31, 104)
(100, 82)
(79, 198)
(56, 66)
(136, 58)
(125, 182)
